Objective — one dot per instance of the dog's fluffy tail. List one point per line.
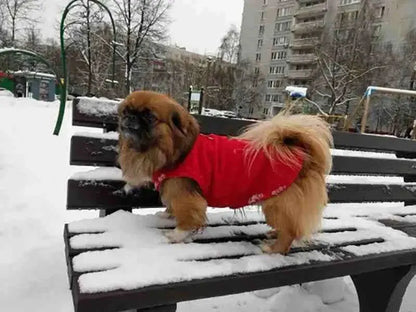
(298, 210)
(284, 136)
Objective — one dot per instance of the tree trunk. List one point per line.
(128, 52)
(13, 31)
(89, 58)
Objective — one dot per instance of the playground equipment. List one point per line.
(33, 75)
(63, 83)
(366, 101)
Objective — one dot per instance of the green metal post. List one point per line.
(63, 59)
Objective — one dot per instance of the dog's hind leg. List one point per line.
(281, 227)
(295, 213)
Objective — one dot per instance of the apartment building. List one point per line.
(278, 37)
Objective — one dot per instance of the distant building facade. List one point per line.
(278, 37)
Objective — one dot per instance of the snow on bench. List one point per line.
(136, 253)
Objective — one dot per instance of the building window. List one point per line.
(262, 16)
(280, 55)
(284, 12)
(346, 2)
(376, 31)
(258, 57)
(348, 16)
(277, 98)
(265, 110)
(259, 43)
(256, 70)
(273, 98)
(380, 12)
(264, 2)
(261, 30)
(280, 41)
(283, 26)
(302, 67)
(342, 34)
(277, 70)
(273, 84)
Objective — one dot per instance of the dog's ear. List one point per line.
(177, 124)
(121, 107)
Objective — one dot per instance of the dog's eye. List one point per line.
(127, 111)
(148, 115)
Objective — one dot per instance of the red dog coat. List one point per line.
(227, 177)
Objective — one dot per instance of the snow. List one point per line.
(355, 153)
(97, 106)
(34, 169)
(141, 244)
(34, 74)
(109, 173)
(5, 92)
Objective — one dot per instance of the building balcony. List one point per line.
(309, 58)
(306, 43)
(308, 27)
(299, 74)
(306, 1)
(311, 11)
(349, 6)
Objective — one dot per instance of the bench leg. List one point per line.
(165, 308)
(383, 291)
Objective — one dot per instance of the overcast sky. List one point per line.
(197, 25)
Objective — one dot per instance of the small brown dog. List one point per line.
(280, 164)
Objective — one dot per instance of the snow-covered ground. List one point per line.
(34, 168)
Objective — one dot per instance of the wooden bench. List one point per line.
(375, 246)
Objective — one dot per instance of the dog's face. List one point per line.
(150, 122)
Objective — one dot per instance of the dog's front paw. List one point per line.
(178, 236)
(266, 248)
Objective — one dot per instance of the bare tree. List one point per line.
(348, 59)
(19, 13)
(230, 44)
(86, 30)
(140, 22)
(3, 32)
(248, 88)
(32, 39)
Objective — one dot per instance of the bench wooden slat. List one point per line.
(83, 119)
(226, 126)
(347, 193)
(88, 151)
(108, 194)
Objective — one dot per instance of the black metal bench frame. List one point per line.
(380, 280)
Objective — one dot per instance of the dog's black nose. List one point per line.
(131, 122)
(134, 120)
